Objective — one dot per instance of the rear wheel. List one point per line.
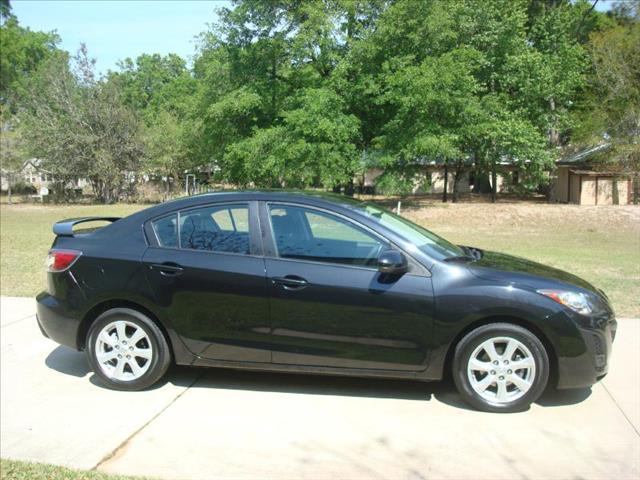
(127, 350)
(500, 367)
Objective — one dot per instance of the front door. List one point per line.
(331, 307)
(209, 283)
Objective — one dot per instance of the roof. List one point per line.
(317, 198)
(35, 163)
(596, 173)
(582, 157)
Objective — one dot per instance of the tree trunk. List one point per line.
(494, 182)
(456, 182)
(349, 189)
(446, 183)
(9, 188)
(636, 187)
(615, 193)
(554, 135)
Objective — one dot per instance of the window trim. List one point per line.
(270, 251)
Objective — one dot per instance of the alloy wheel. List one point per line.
(123, 351)
(501, 370)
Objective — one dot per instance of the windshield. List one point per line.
(428, 242)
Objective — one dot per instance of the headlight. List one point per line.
(576, 301)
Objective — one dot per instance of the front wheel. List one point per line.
(500, 367)
(127, 350)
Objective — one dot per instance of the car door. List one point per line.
(207, 273)
(330, 306)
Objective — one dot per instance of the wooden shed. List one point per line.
(575, 181)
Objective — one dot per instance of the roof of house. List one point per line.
(35, 163)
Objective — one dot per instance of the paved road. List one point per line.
(225, 424)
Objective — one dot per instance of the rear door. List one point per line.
(329, 304)
(208, 276)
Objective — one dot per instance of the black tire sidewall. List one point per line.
(159, 362)
(474, 338)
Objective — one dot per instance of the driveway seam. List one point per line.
(123, 445)
(12, 322)
(620, 408)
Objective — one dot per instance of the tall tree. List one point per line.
(80, 126)
(611, 112)
(23, 50)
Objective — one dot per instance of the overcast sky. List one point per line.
(114, 30)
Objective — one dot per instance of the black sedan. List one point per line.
(301, 282)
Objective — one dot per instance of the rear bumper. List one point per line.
(55, 322)
(593, 364)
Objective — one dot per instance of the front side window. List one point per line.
(309, 234)
(219, 228)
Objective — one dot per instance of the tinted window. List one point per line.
(221, 228)
(166, 231)
(427, 241)
(314, 235)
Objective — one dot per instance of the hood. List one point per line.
(507, 268)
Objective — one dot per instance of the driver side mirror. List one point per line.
(393, 262)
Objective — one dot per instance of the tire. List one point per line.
(475, 369)
(131, 362)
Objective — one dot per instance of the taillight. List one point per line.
(61, 260)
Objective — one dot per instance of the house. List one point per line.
(32, 172)
(576, 181)
(432, 178)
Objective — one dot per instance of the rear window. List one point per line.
(166, 230)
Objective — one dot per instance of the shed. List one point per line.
(576, 181)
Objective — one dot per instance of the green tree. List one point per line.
(80, 126)
(611, 112)
(23, 50)
(165, 153)
(12, 153)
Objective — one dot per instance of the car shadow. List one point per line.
(70, 362)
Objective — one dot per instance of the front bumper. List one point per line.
(592, 365)
(55, 322)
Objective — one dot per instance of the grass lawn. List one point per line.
(600, 244)
(16, 470)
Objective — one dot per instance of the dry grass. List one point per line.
(601, 244)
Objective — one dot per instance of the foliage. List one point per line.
(313, 93)
(80, 125)
(23, 50)
(616, 63)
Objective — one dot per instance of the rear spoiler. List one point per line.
(64, 228)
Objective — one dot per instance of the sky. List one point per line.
(114, 30)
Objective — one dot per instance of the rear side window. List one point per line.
(219, 228)
(166, 230)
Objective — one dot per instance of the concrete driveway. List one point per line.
(225, 424)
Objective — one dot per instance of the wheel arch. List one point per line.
(104, 306)
(537, 331)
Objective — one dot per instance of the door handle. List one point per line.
(290, 282)
(168, 270)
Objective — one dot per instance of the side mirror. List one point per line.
(392, 261)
